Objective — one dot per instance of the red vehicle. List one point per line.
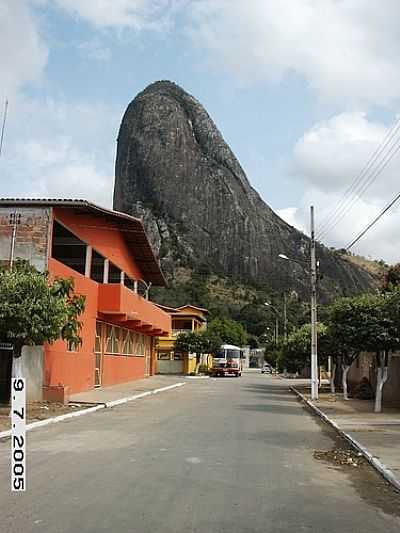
(227, 361)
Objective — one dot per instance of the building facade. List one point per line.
(184, 319)
(112, 264)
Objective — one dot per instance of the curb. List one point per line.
(383, 470)
(53, 420)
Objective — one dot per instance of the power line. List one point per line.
(325, 222)
(371, 179)
(353, 242)
(363, 180)
(3, 125)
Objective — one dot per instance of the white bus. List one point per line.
(228, 360)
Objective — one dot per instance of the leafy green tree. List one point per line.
(255, 318)
(383, 334)
(199, 343)
(392, 278)
(229, 331)
(295, 354)
(210, 341)
(357, 323)
(252, 341)
(35, 309)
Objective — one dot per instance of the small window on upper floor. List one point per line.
(114, 274)
(68, 249)
(97, 269)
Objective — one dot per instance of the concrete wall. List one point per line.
(30, 366)
(362, 367)
(170, 367)
(32, 237)
(366, 367)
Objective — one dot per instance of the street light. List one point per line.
(268, 304)
(313, 278)
(284, 314)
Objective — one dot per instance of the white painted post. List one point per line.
(122, 278)
(106, 270)
(88, 261)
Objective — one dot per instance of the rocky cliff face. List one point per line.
(174, 169)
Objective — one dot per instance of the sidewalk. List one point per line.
(377, 435)
(93, 400)
(104, 395)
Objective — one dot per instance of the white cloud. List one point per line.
(346, 51)
(332, 153)
(328, 157)
(136, 14)
(23, 53)
(60, 149)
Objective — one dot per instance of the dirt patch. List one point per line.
(341, 457)
(38, 411)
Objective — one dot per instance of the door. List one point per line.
(98, 354)
(6, 355)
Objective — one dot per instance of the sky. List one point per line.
(303, 91)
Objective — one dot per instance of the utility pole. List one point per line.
(284, 317)
(314, 345)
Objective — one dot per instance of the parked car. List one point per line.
(266, 369)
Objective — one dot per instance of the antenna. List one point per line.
(3, 126)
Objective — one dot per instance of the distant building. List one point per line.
(109, 257)
(257, 357)
(185, 319)
(246, 357)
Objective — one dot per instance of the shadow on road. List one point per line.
(274, 407)
(269, 389)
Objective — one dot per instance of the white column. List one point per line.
(105, 271)
(135, 286)
(122, 278)
(88, 261)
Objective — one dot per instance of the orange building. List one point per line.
(112, 263)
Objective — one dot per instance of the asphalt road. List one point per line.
(226, 455)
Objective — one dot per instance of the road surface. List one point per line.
(221, 455)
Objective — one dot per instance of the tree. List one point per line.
(392, 278)
(35, 309)
(347, 327)
(384, 332)
(199, 343)
(229, 331)
(369, 322)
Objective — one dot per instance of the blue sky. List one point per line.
(302, 91)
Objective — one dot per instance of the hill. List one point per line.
(174, 169)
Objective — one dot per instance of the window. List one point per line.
(182, 325)
(129, 283)
(68, 249)
(114, 274)
(138, 343)
(166, 356)
(127, 348)
(112, 339)
(97, 268)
